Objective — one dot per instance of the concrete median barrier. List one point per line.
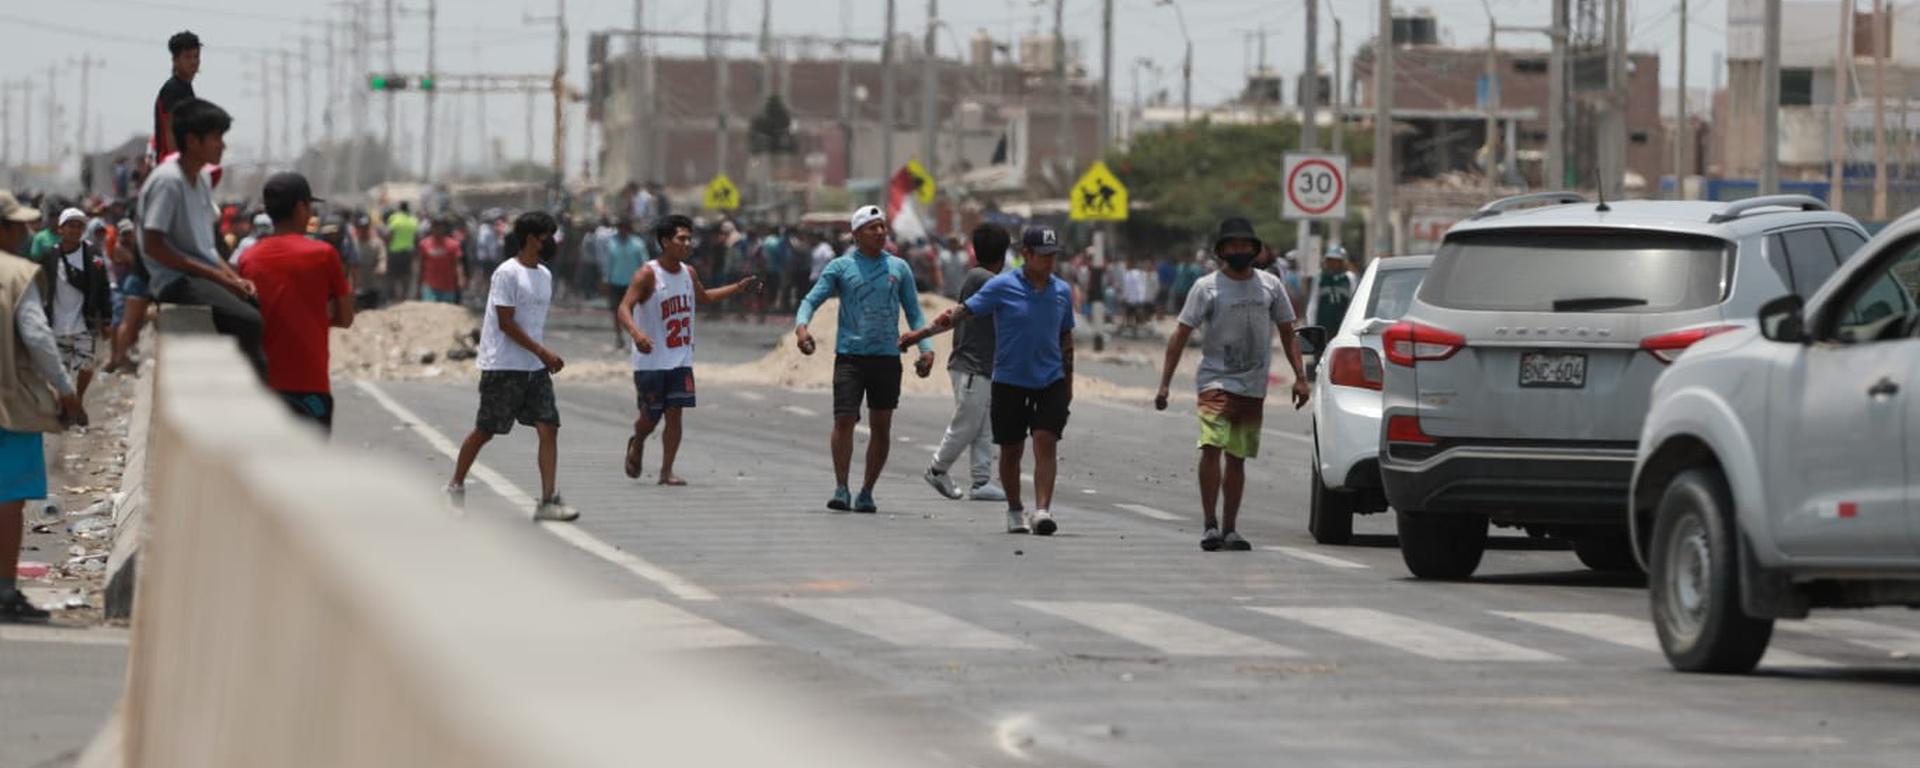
(300, 604)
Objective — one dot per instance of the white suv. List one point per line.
(1346, 401)
(1775, 471)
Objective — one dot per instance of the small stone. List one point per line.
(1019, 552)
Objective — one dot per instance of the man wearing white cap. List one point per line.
(73, 288)
(262, 226)
(874, 288)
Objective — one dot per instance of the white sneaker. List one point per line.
(1016, 521)
(1043, 524)
(456, 497)
(988, 492)
(941, 483)
(555, 509)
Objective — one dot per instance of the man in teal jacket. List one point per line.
(874, 288)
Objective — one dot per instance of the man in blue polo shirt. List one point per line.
(875, 288)
(1032, 313)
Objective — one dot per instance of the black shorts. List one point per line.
(509, 396)
(874, 377)
(316, 407)
(1019, 410)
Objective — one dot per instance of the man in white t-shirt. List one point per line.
(75, 296)
(657, 313)
(516, 368)
(1240, 307)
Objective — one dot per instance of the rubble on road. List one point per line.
(64, 555)
(786, 367)
(411, 340)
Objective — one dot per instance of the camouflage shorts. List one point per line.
(509, 396)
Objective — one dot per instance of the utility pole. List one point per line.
(1683, 134)
(1063, 127)
(1770, 99)
(306, 92)
(1837, 118)
(1613, 124)
(6, 128)
(386, 169)
(426, 131)
(1879, 102)
(87, 64)
(560, 95)
(929, 91)
(286, 100)
(722, 108)
(1339, 93)
(357, 101)
(1103, 238)
(266, 110)
(53, 114)
(1493, 102)
(1383, 175)
(326, 116)
(1555, 175)
(639, 108)
(886, 100)
(1309, 97)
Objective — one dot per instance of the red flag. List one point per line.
(903, 185)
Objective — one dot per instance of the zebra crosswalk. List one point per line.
(1330, 633)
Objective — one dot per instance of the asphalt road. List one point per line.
(1118, 641)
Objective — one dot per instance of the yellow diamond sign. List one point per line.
(925, 191)
(721, 194)
(1099, 196)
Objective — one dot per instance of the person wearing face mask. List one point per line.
(516, 367)
(1240, 307)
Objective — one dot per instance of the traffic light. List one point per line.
(426, 83)
(392, 82)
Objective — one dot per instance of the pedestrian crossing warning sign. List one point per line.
(721, 194)
(924, 190)
(1099, 196)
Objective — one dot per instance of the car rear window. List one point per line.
(1578, 270)
(1393, 292)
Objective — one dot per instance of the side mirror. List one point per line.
(1315, 336)
(1780, 320)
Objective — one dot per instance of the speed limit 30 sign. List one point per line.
(1314, 186)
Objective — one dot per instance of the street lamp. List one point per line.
(1186, 64)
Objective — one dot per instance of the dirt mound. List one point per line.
(786, 367)
(412, 340)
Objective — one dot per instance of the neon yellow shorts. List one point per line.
(1231, 423)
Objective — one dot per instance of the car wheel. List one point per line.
(1330, 513)
(1611, 551)
(1442, 546)
(1695, 580)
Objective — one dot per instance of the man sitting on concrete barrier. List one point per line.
(27, 403)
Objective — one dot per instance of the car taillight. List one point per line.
(1407, 342)
(1406, 429)
(1356, 367)
(1667, 347)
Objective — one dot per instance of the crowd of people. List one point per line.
(276, 268)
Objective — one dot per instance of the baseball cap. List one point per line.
(1041, 240)
(72, 214)
(12, 210)
(285, 189)
(867, 214)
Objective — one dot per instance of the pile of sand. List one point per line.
(412, 340)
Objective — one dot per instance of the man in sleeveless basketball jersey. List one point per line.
(657, 312)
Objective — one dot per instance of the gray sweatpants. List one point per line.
(972, 400)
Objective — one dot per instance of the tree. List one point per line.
(1193, 176)
(771, 132)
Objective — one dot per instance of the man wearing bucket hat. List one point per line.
(874, 287)
(1240, 307)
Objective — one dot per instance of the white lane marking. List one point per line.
(863, 429)
(1011, 735)
(1026, 477)
(1867, 634)
(899, 623)
(1634, 633)
(667, 627)
(1306, 439)
(1411, 635)
(800, 411)
(587, 542)
(751, 397)
(1161, 631)
(1149, 511)
(1088, 490)
(76, 636)
(1316, 557)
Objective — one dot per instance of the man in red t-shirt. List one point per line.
(303, 290)
(440, 273)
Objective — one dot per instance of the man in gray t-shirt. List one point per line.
(177, 222)
(1240, 307)
(971, 369)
